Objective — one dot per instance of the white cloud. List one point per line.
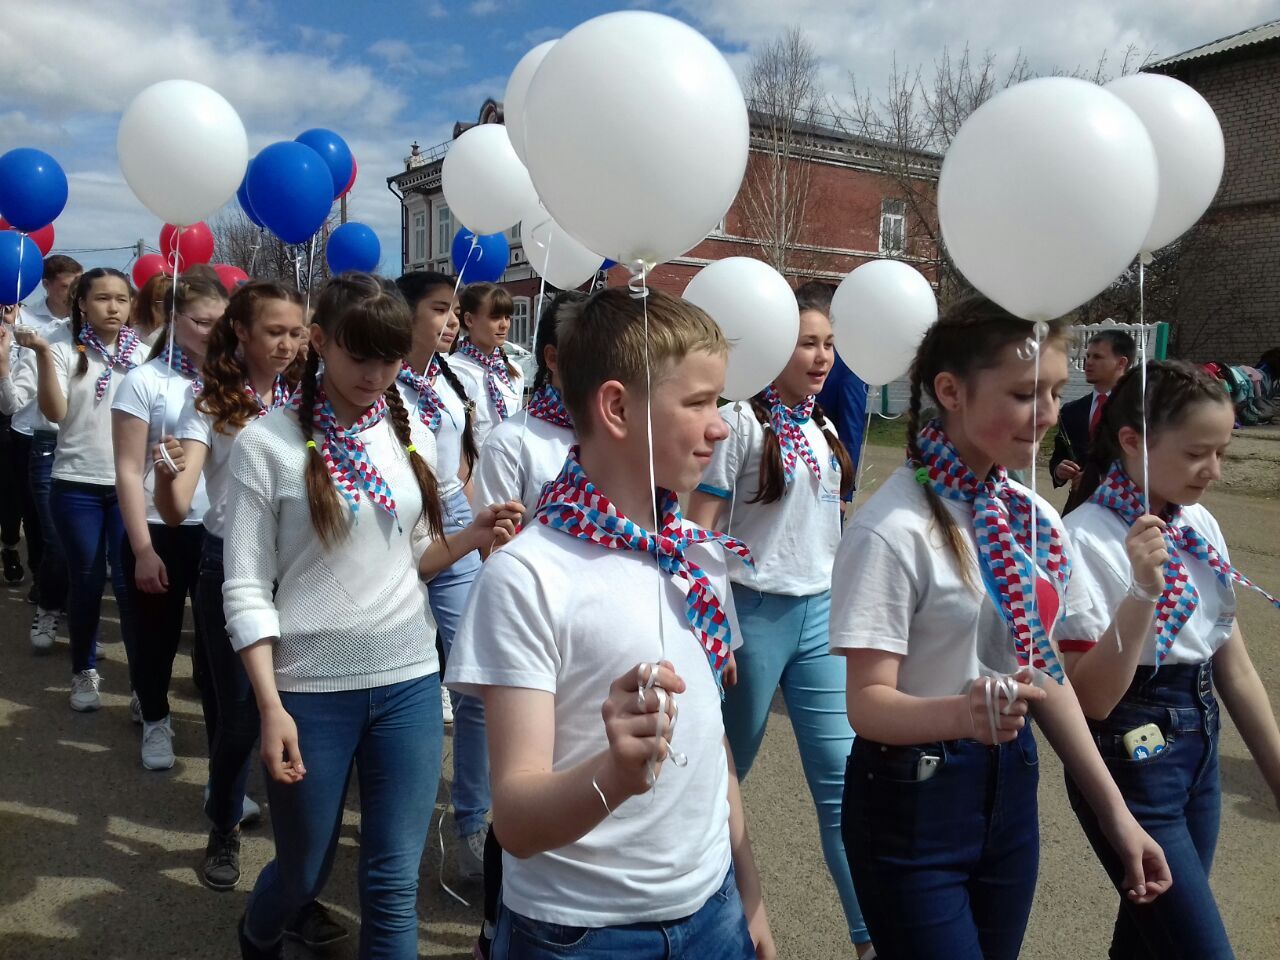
(392, 51)
(480, 8)
(434, 10)
(319, 39)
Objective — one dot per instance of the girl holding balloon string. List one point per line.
(496, 384)
(948, 655)
(1160, 635)
(776, 483)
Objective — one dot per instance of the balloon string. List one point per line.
(253, 254)
(17, 283)
(1142, 347)
(175, 262)
(311, 265)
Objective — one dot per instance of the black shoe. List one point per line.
(221, 870)
(314, 927)
(251, 951)
(33, 595)
(13, 569)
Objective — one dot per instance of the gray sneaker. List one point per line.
(471, 855)
(221, 869)
(135, 708)
(84, 691)
(157, 745)
(44, 630)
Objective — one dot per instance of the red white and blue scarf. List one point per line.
(1002, 527)
(788, 426)
(430, 403)
(573, 505)
(345, 455)
(127, 343)
(546, 404)
(1179, 599)
(178, 360)
(494, 366)
(279, 395)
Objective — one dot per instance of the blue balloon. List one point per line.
(333, 151)
(484, 262)
(21, 266)
(608, 264)
(353, 246)
(243, 196)
(33, 189)
(290, 190)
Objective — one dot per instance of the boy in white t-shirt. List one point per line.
(621, 838)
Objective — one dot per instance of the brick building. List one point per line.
(855, 210)
(1228, 272)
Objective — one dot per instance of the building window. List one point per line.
(515, 232)
(444, 230)
(893, 226)
(419, 237)
(521, 333)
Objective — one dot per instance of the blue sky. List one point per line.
(385, 73)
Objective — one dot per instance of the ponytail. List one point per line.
(427, 485)
(322, 498)
(470, 453)
(772, 485)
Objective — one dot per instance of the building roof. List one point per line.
(1263, 33)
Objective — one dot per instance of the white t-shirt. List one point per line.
(158, 395)
(18, 395)
(792, 540)
(1101, 565)
(555, 613)
(453, 422)
(216, 477)
(84, 453)
(896, 587)
(472, 376)
(519, 458)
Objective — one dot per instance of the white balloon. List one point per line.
(556, 256)
(517, 90)
(879, 315)
(182, 149)
(1046, 194)
(636, 135)
(1189, 150)
(484, 182)
(756, 309)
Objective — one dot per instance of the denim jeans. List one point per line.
(51, 573)
(784, 643)
(1177, 798)
(87, 518)
(393, 736)
(718, 931)
(944, 866)
(447, 593)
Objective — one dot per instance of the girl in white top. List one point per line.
(1159, 635)
(78, 379)
(334, 517)
(948, 644)
(776, 484)
(527, 451)
(161, 563)
(492, 381)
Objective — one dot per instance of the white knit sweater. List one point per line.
(346, 617)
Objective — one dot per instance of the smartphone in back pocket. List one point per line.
(1144, 742)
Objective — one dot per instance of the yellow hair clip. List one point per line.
(411, 448)
(311, 444)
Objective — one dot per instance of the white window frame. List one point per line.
(442, 219)
(419, 254)
(893, 225)
(521, 322)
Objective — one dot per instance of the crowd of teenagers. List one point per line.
(367, 503)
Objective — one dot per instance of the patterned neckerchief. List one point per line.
(788, 426)
(546, 404)
(345, 455)
(183, 364)
(573, 505)
(1179, 598)
(494, 366)
(279, 395)
(127, 343)
(1002, 525)
(429, 402)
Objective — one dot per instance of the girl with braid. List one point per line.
(334, 516)
(497, 385)
(946, 625)
(776, 483)
(1160, 635)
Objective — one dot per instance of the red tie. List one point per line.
(1097, 414)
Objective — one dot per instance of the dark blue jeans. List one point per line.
(944, 866)
(89, 526)
(718, 931)
(51, 568)
(1177, 798)
(393, 737)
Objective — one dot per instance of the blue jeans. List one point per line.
(89, 526)
(1177, 798)
(944, 866)
(393, 736)
(448, 592)
(51, 576)
(718, 931)
(784, 643)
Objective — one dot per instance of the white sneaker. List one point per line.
(157, 745)
(446, 705)
(44, 630)
(84, 691)
(471, 855)
(135, 708)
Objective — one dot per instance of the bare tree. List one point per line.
(265, 256)
(784, 97)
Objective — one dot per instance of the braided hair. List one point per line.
(772, 484)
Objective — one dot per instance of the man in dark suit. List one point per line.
(1110, 353)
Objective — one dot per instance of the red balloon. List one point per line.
(194, 244)
(230, 276)
(146, 267)
(352, 182)
(43, 237)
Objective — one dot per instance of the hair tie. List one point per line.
(922, 476)
(411, 449)
(311, 444)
